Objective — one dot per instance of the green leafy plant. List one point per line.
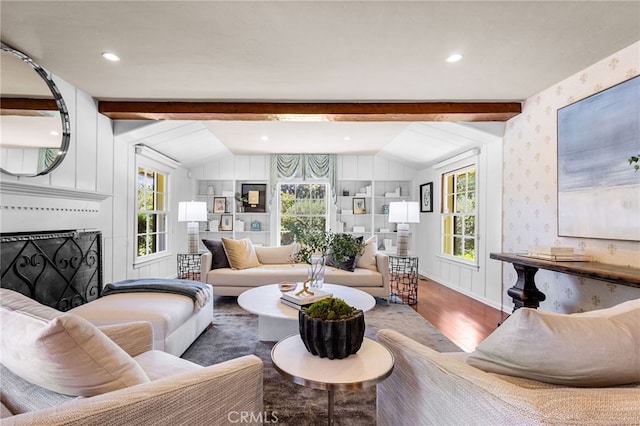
(312, 241)
(344, 246)
(331, 308)
(634, 160)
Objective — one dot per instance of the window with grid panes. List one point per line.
(151, 212)
(301, 205)
(459, 236)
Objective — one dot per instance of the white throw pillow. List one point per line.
(571, 350)
(368, 258)
(623, 307)
(65, 354)
(275, 255)
(241, 253)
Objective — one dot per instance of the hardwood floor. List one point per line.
(462, 319)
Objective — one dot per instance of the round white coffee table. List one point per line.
(277, 320)
(370, 365)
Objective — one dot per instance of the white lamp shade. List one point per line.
(404, 212)
(192, 211)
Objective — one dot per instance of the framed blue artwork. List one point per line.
(598, 191)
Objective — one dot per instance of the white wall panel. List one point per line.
(365, 167)
(348, 167)
(86, 142)
(105, 156)
(65, 174)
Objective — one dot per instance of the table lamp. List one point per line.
(192, 212)
(403, 213)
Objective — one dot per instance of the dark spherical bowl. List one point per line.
(333, 339)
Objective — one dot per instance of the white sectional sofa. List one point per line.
(274, 265)
(177, 320)
(58, 369)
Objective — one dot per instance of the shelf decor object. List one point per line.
(403, 213)
(256, 197)
(192, 212)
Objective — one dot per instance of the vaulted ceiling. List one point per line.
(300, 52)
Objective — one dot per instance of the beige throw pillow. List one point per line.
(241, 253)
(563, 349)
(275, 255)
(368, 258)
(65, 354)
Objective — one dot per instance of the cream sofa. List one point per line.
(431, 388)
(44, 350)
(274, 265)
(177, 320)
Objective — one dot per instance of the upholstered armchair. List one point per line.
(494, 384)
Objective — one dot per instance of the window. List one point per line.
(459, 214)
(301, 205)
(151, 212)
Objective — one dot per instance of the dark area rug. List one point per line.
(235, 333)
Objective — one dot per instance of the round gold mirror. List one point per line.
(34, 122)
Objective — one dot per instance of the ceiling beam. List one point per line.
(34, 104)
(309, 111)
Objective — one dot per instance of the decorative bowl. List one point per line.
(286, 286)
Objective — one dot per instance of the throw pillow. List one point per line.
(275, 255)
(368, 258)
(620, 308)
(218, 255)
(241, 253)
(570, 350)
(66, 354)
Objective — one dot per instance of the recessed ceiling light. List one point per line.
(54, 133)
(347, 138)
(264, 138)
(454, 58)
(110, 56)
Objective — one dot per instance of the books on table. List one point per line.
(551, 252)
(299, 301)
(294, 305)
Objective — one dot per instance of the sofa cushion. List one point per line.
(368, 258)
(295, 272)
(275, 255)
(571, 350)
(218, 255)
(166, 312)
(159, 364)
(20, 396)
(66, 354)
(620, 308)
(241, 253)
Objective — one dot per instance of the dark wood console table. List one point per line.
(525, 293)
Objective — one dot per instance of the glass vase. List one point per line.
(315, 271)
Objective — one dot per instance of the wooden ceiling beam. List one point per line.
(309, 111)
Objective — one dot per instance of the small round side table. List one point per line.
(372, 364)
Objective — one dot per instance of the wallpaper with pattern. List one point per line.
(530, 192)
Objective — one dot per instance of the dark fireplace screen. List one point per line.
(61, 269)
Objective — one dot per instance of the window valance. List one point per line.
(303, 166)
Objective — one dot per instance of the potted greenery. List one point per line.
(330, 328)
(634, 160)
(240, 200)
(314, 246)
(344, 250)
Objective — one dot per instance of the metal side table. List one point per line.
(403, 273)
